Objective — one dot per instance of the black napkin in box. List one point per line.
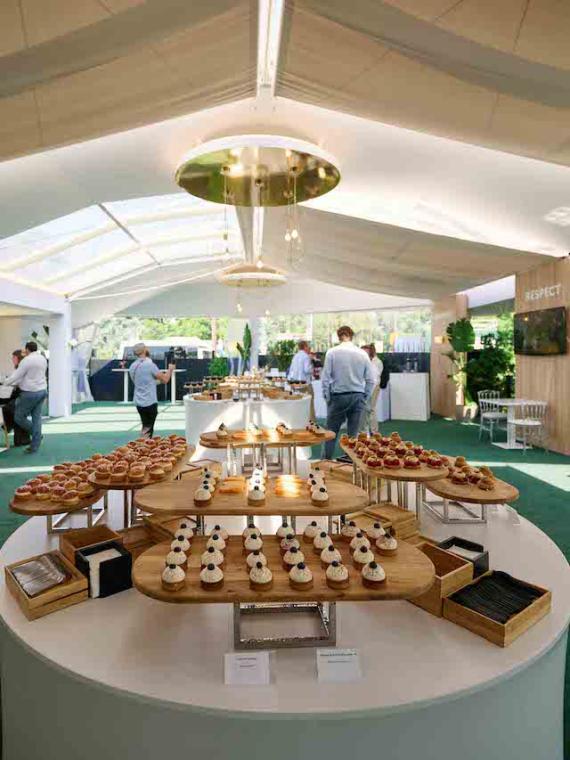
(114, 574)
(480, 561)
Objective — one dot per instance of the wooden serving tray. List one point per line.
(422, 474)
(71, 592)
(502, 493)
(82, 538)
(451, 574)
(34, 507)
(404, 523)
(132, 485)
(408, 574)
(498, 633)
(269, 438)
(177, 498)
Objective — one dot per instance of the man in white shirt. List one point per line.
(370, 417)
(348, 382)
(301, 371)
(30, 377)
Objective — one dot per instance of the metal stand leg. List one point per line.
(125, 509)
(327, 620)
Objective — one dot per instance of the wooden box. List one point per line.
(115, 574)
(81, 538)
(71, 592)
(498, 633)
(480, 558)
(451, 574)
(136, 539)
(404, 523)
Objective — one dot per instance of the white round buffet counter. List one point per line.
(202, 416)
(131, 677)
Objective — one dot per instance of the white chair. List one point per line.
(532, 423)
(489, 414)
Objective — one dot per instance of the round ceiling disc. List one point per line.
(256, 175)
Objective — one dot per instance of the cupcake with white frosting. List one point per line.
(301, 577)
(329, 554)
(348, 531)
(210, 478)
(212, 556)
(184, 529)
(202, 496)
(375, 531)
(373, 575)
(289, 542)
(182, 542)
(362, 557)
(256, 496)
(292, 557)
(320, 496)
(249, 529)
(283, 530)
(337, 575)
(260, 577)
(254, 557)
(387, 545)
(320, 541)
(177, 557)
(217, 542)
(173, 578)
(252, 542)
(211, 577)
(310, 532)
(221, 531)
(358, 541)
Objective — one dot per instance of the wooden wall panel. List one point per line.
(546, 378)
(443, 390)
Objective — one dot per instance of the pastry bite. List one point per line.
(137, 473)
(486, 471)
(474, 477)
(321, 540)
(222, 432)
(70, 498)
(337, 576)
(412, 462)
(221, 531)
(256, 496)
(310, 532)
(249, 529)
(260, 577)
(373, 575)
(349, 531)
(212, 556)
(282, 531)
(57, 494)
(292, 557)
(486, 484)
(173, 578)
(102, 471)
(387, 545)
(330, 554)
(288, 542)
(435, 462)
(320, 496)
(359, 540)
(155, 472)
(252, 542)
(23, 493)
(375, 531)
(177, 557)
(351, 443)
(217, 542)
(460, 461)
(401, 450)
(181, 541)
(211, 577)
(202, 496)
(460, 478)
(300, 577)
(254, 557)
(362, 557)
(43, 492)
(184, 529)
(343, 439)
(392, 462)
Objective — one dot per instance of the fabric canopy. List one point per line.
(482, 73)
(76, 69)
(380, 257)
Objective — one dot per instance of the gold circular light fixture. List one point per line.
(252, 276)
(257, 170)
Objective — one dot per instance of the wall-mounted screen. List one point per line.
(541, 333)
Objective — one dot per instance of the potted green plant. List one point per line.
(461, 337)
(219, 367)
(281, 354)
(492, 368)
(244, 349)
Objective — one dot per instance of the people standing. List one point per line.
(348, 382)
(30, 378)
(21, 436)
(370, 417)
(145, 375)
(301, 371)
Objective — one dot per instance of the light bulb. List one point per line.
(294, 234)
(322, 172)
(259, 264)
(239, 308)
(236, 169)
(288, 236)
(267, 312)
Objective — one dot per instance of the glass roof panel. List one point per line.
(108, 272)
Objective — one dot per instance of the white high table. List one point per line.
(202, 416)
(125, 372)
(135, 678)
(511, 405)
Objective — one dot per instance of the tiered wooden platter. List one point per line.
(422, 474)
(134, 485)
(408, 574)
(269, 438)
(502, 493)
(177, 498)
(37, 508)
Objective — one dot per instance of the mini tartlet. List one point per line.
(375, 532)
(252, 542)
(202, 496)
(310, 532)
(359, 540)
(249, 529)
(387, 545)
(181, 541)
(348, 531)
(321, 540)
(289, 542)
(173, 578)
(362, 557)
(282, 530)
(177, 557)
(254, 557)
(301, 577)
(211, 577)
(329, 555)
(373, 575)
(337, 575)
(212, 556)
(221, 531)
(217, 542)
(184, 529)
(292, 557)
(320, 496)
(260, 577)
(256, 495)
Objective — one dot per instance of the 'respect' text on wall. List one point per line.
(549, 291)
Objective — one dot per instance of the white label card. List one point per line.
(246, 668)
(338, 665)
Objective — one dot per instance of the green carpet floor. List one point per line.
(542, 478)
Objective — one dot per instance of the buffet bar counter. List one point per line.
(149, 676)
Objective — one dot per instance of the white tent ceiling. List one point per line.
(414, 215)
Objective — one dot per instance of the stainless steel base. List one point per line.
(440, 510)
(326, 614)
(56, 523)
